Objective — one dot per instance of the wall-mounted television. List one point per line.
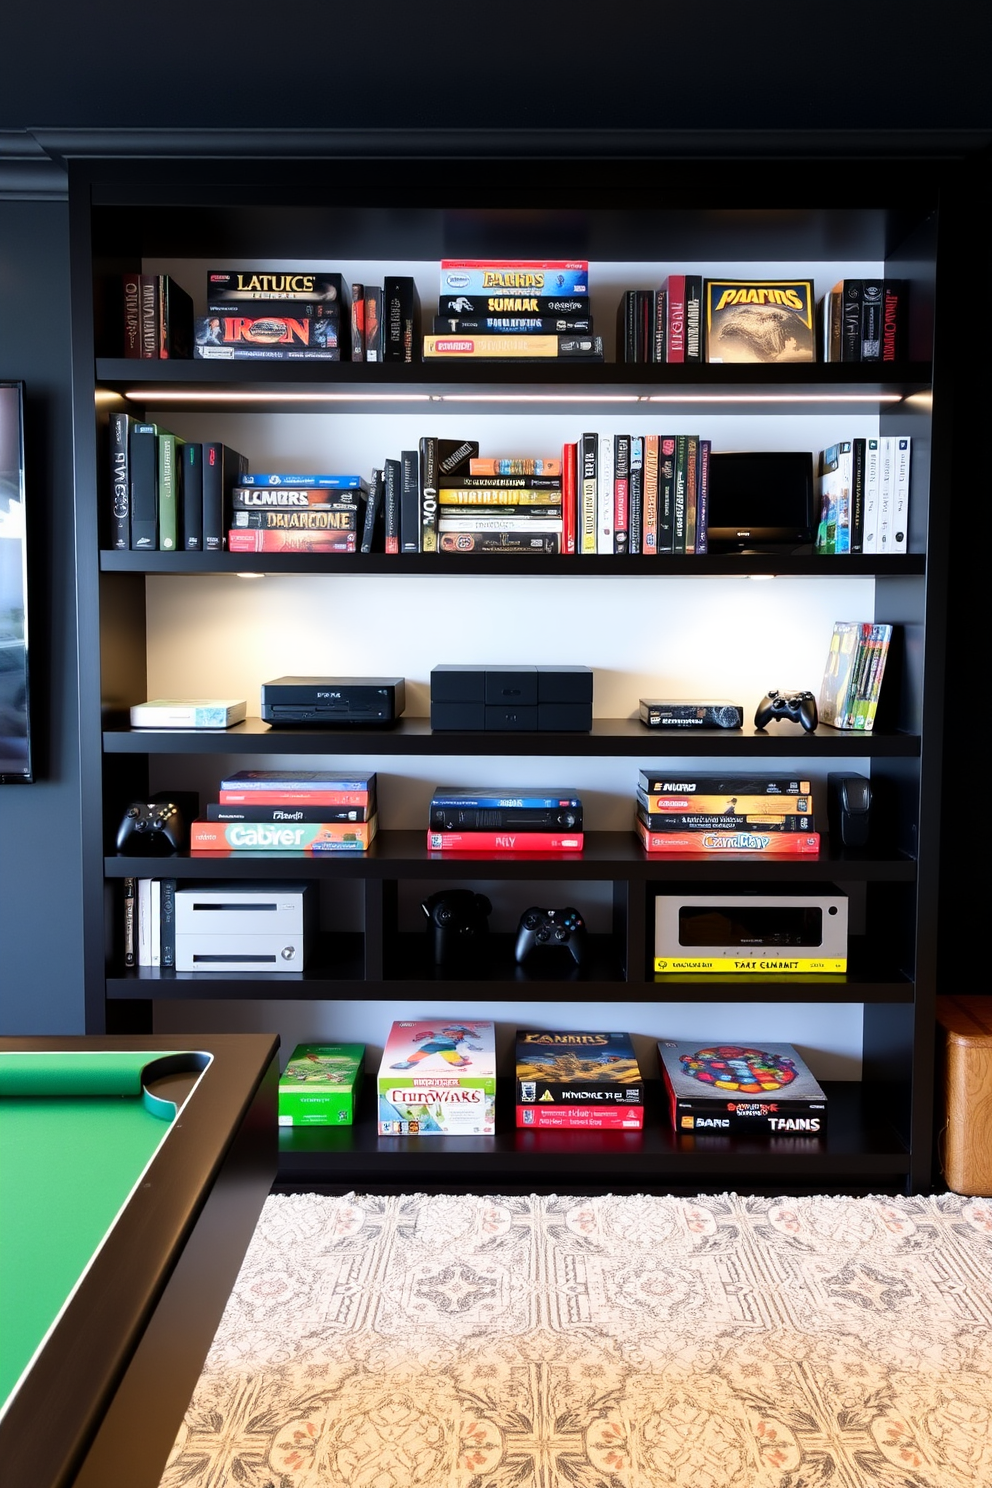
(15, 711)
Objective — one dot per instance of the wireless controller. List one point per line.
(457, 920)
(794, 707)
(151, 827)
(549, 929)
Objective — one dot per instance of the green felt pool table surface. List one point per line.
(132, 1172)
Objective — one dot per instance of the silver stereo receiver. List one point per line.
(244, 927)
(752, 931)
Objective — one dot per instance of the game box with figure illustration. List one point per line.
(437, 1078)
(578, 1080)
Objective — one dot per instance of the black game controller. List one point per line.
(457, 920)
(151, 827)
(795, 707)
(552, 929)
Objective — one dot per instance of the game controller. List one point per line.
(551, 929)
(457, 919)
(151, 827)
(795, 707)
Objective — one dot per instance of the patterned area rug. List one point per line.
(615, 1342)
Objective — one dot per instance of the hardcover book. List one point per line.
(574, 1080)
(738, 1088)
(320, 1085)
(437, 1078)
(759, 320)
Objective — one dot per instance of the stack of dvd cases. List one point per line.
(522, 308)
(526, 819)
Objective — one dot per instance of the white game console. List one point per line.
(244, 927)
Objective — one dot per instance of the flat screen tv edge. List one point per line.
(15, 708)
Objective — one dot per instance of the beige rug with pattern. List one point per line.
(615, 1342)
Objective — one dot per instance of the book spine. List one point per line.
(175, 320)
(605, 495)
(409, 501)
(649, 538)
(703, 497)
(149, 316)
(718, 806)
(214, 517)
(850, 321)
(155, 922)
(216, 812)
(144, 922)
(621, 493)
(694, 318)
(900, 497)
(132, 314)
(144, 486)
(768, 844)
(169, 477)
(826, 528)
(574, 346)
(569, 495)
(282, 836)
(881, 651)
(288, 797)
(504, 841)
(192, 498)
(255, 540)
(858, 458)
(886, 483)
(894, 320)
(372, 524)
(589, 493)
(872, 304)
(357, 327)
(659, 325)
(626, 323)
(666, 493)
(516, 325)
(428, 477)
(392, 478)
(636, 502)
(675, 318)
(831, 309)
(130, 922)
(872, 473)
(119, 428)
(679, 503)
(401, 316)
(644, 306)
(688, 821)
(293, 519)
(534, 540)
(167, 893)
(549, 520)
(691, 489)
(845, 471)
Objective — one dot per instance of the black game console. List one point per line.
(551, 930)
(793, 707)
(511, 699)
(333, 702)
(457, 920)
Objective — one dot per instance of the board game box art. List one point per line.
(578, 1080)
(320, 1084)
(738, 1088)
(437, 1078)
(759, 320)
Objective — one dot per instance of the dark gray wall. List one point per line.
(41, 982)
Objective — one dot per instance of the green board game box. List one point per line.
(320, 1085)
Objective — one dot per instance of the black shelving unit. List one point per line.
(886, 210)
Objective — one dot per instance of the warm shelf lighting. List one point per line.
(249, 576)
(174, 395)
(774, 398)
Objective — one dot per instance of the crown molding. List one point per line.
(27, 171)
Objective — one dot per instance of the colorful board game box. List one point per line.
(576, 1080)
(438, 1078)
(320, 1084)
(735, 1088)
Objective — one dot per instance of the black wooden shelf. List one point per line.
(858, 1143)
(605, 855)
(609, 737)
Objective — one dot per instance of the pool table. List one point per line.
(129, 1190)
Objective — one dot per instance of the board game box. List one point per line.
(437, 1078)
(736, 1088)
(578, 1080)
(320, 1084)
(759, 320)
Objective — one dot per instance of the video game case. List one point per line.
(476, 276)
(373, 522)
(216, 812)
(400, 318)
(297, 780)
(503, 819)
(170, 470)
(588, 493)
(143, 450)
(167, 923)
(392, 477)
(357, 324)
(253, 540)
(409, 501)
(298, 481)
(222, 471)
(517, 325)
(131, 301)
(373, 322)
(529, 797)
(286, 499)
(155, 922)
(175, 320)
(585, 1079)
(310, 519)
(726, 806)
(119, 428)
(308, 837)
(569, 496)
(244, 286)
(765, 842)
(740, 1088)
(571, 346)
(499, 542)
(711, 784)
(192, 497)
(513, 304)
(504, 841)
(690, 821)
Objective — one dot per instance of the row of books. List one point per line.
(863, 494)
(852, 678)
(150, 922)
(865, 320)
(168, 494)
(437, 1077)
(708, 813)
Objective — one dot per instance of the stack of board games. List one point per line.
(280, 314)
(280, 512)
(437, 1078)
(521, 308)
(511, 505)
(308, 811)
(759, 320)
(487, 819)
(741, 1089)
(320, 1085)
(687, 813)
(578, 1081)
